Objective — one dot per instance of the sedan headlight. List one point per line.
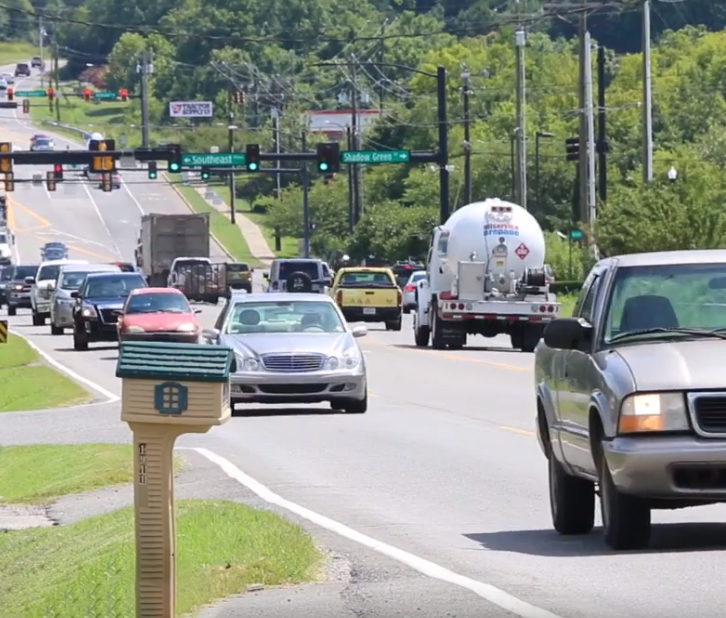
(190, 327)
(88, 312)
(652, 413)
(346, 362)
(247, 364)
(133, 329)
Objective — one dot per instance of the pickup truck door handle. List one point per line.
(369, 293)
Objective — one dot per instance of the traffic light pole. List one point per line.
(306, 209)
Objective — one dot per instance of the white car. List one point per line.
(6, 251)
(42, 288)
(9, 78)
(409, 290)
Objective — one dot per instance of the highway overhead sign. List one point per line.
(373, 156)
(220, 159)
(191, 109)
(30, 93)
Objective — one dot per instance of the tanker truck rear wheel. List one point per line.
(530, 337)
(437, 339)
(422, 335)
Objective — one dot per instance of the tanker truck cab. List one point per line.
(486, 276)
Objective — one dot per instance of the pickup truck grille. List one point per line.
(292, 363)
(107, 316)
(709, 413)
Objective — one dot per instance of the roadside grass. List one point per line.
(105, 117)
(14, 51)
(567, 302)
(222, 547)
(42, 472)
(229, 236)
(27, 384)
(289, 245)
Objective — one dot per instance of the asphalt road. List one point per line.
(444, 466)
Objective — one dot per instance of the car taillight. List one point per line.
(410, 288)
(339, 297)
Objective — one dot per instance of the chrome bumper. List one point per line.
(266, 387)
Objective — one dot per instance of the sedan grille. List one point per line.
(709, 414)
(292, 363)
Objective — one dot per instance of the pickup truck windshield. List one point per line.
(362, 280)
(3, 239)
(666, 301)
(49, 272)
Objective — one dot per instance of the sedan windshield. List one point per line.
(163, 302)
(112, 287)
(681, 300)
(284, 317)
(72, 280)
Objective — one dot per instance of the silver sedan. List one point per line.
(291, 349)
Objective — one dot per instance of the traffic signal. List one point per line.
(239, 97)
(107, 181)
(87, 94)
(572, 148)
(175, 162)
(328, 158)
(152, 170)
(102, 163)
(9, 182)
(26, 106)
(11, 94)
(58, 171)
(124, 94)
(206, 173)
(50, 181)
(6, 165)
(51, 94)
(252, 157)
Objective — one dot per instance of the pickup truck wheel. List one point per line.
(56, 330)
(625, 519)
(80, 341)
(572, 501)
(396, 326)
(38, 320)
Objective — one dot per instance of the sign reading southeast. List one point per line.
(373, 156)
(31, 93)
(220, 159)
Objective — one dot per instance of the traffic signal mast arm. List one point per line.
(68, 157)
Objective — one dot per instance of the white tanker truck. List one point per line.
(486, 277)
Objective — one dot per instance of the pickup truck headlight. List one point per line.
(646, 413)
(89, 312)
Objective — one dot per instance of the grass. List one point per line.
(41, 472)
(21, 374)
(289, 246)
(17, 52)
(568, 304)
(229, 236)
(222, 547)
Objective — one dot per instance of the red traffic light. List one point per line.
(11, 94)
(51, 94)
(87, 94)
(58, 168)
(124, 94)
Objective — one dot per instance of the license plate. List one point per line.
(369, 311)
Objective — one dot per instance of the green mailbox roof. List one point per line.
(174, 361)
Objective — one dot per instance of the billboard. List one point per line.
(191, 109)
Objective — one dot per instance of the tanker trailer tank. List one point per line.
(487, 277)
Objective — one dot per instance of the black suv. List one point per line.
(22, 70)
(98, 301)
(16, 289)
(308, 275)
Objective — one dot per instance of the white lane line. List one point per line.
(111, 398)
(486, 591)
(103, 221)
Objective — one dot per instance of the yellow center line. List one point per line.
(454, 357)
(103, 257)
(44, 223)
(523, 432)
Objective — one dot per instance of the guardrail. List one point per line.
(66, 127)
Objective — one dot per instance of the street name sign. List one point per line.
(26, 94)
(373, 156)
(106, 95)
(221, 159)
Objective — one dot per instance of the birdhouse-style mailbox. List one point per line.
(168, 389)
(175, 383)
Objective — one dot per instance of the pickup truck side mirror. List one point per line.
(118, 312)
(75, 294)
(29, 280)
(568, 334)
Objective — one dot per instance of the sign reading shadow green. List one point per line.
(374, 157)
(577, 234)
(105, 95)
(221, 159)
(28, 94)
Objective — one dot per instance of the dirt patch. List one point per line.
(20, 517)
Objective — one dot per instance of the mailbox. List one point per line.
(168, 389)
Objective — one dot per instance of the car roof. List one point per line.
(115, 274)
(284, 297)
(91, 268)
(281, 260)
(157, 290)
(364, 269)
(61, 262)
(668, 258)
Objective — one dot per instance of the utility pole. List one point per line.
(647, 98)
(56, 79)
(521, 195)
(278, 182)
(590, 117)
(582, 104)
(351, 188)
(465, 92)
(230, 143)
(306, 198)
(41, 41)
(355, 130)
(382, 60)
(602, 144)
(256, 86)
(145, 68)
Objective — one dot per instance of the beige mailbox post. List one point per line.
(168, 389)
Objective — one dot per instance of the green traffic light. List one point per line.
(174, 167)
(253, 167)
(152, 175)
(323, 167)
